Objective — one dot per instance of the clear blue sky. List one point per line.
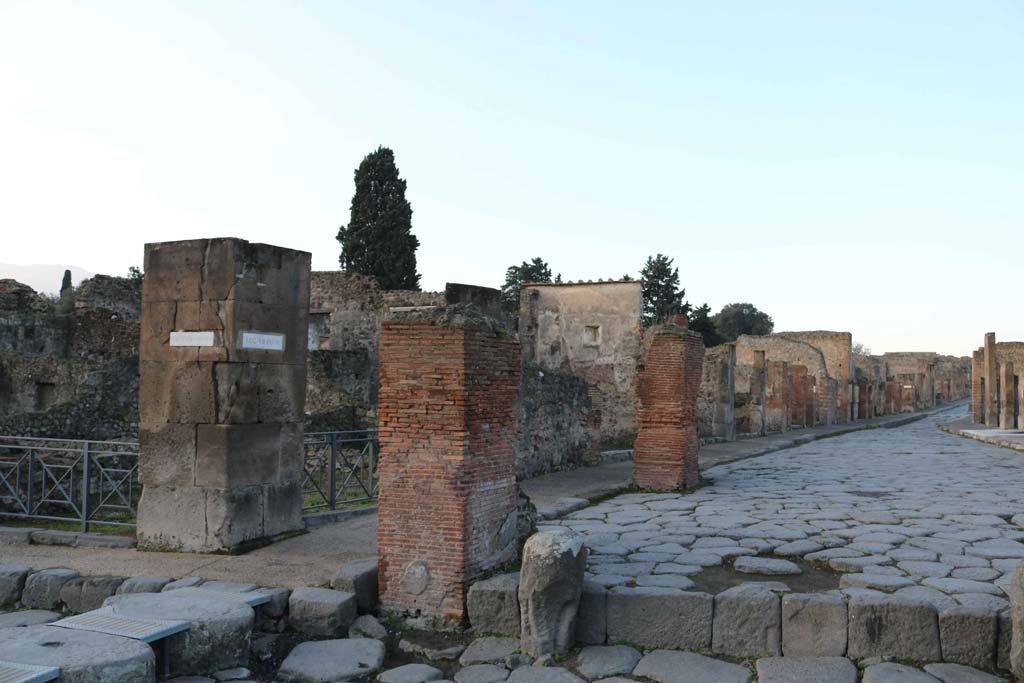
(842, 165)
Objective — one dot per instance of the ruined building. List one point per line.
(996, 398)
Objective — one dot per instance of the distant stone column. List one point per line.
(665, 451)
(1008, 397)
(759, 375)
(778, 395)
(222, 390)
(798, 404)
(447, 423)
(991, 379)
(728, 400)
(978, 386)
(855, 403)
(811, 393)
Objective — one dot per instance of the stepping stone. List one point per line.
(325, 661)
(12, 582)
(958, 673)
(367, 626)
(489, 651)
(411, 673)
(81, 656)
(482, 673)
(806, 670)
(882, 582)
(321, 611)
(896, 673)
(600, 662)
(765, 565)
(670, 666)
(218, 639)
(29, 617)
(543, 674)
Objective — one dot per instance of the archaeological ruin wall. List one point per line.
(837, 349)
(716, 403)
(997, 390)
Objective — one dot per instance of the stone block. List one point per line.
(86, 593)
(27, 617)
(360, 577)
(321, 611)
(660, 618)
(238, 393)
(81, 656)
(748, 622)
(282, 392)
(233, 517)
(174, 271)
(53, 537)
(42, 589)
(889, 626)
(325, 661)
(806, 669)
(15, 535)
(12, 583)
(282, 508)
(170, 454)
(278, 605)
(143, 584)
(493, 605)
(968, 636)
(94, 540)
(172, 519)
(237, 455)
(290, 321)
(156, 322)
(813, 625)
(220, 633)
(592, 621)
(1004, 626)
(292, 455)
(177, 392)
(550, 583)
(665, 666)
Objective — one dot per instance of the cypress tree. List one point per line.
(378, 240)
(65, 283)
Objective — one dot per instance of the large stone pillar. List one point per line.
(665, 451)
(1008, 397)
(778, 395)
(977, 386)
(759, 376)
(727, 402)
(991, 375)
(222, 390)
(447, 424)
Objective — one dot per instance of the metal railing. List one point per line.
(340, 469)
(90, 482)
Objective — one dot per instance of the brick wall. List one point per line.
(798, 404)
(447, 416)
(665, 451)
(837, 348)
(778, 395)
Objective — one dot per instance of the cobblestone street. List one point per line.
(909, 510)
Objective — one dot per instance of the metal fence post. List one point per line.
(31, 480)
(333, 502)
(85, 486)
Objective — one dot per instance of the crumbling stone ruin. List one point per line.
(996, 398)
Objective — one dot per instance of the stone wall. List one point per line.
(554, 427)
(794, 352)
(591, 330)
(837, 349)
(716, 403)
(119, 295)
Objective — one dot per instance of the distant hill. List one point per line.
(43, 277)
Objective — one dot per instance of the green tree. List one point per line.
(736, 319)
(700, 321)
(659, 290)
(378, 239)
(135, 277)
(65, 283)
(536, 270)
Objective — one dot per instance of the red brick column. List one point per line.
(798, 403)
(448, 492)
(665, 451)
(811, 394)
(991, 381)
(977, 386)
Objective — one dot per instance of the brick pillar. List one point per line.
(222, 390)
(977, 384)
(863, 403)
(448, 492)
(890, 397)
(798, 404)
(727, 401)
(665, 451)
(991, 374)
(778, 395)
(1008, 397)
(812, 398)
(759, 377)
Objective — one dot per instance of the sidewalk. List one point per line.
(1007, 438)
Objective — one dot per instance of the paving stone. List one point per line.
(890, 626)
(367, 626)
(86, 593)
(489, 650)
(660, 617)
(28, 617)
(667, 666)
(993, 603)
(321, 611)
(936, 599)
(747, 622)
(493, 605)
(856, 564)
(968, 636)
(961, 586)
(143, 584)
(82, 656)
(430, 651)
(896, 673)
(813, 625)
(229, 586)
(922, 568)
(42, 589)
(958, 673)
(278, 605)
(12, 582)
(543, 674)
(411, 673)
(665, 581)
(601, 662)
(976, 573)
(187, 582)
(359, 577)
(765, 565)
(806, 670)
(236, 674)
(681, 569)
(220, 633)
(964, 561)
(325, 661)
(904, 553)
(831, 554)
(882, 582)
(797, 548)
(482, 673)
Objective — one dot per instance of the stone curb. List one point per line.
(315, 519)
(75, 539)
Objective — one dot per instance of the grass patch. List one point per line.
(69, 525)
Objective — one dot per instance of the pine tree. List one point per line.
(659, 290)
(700, 321)
(65, 283)
(536, 270)
(378, 240)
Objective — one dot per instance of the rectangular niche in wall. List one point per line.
(592, 335)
